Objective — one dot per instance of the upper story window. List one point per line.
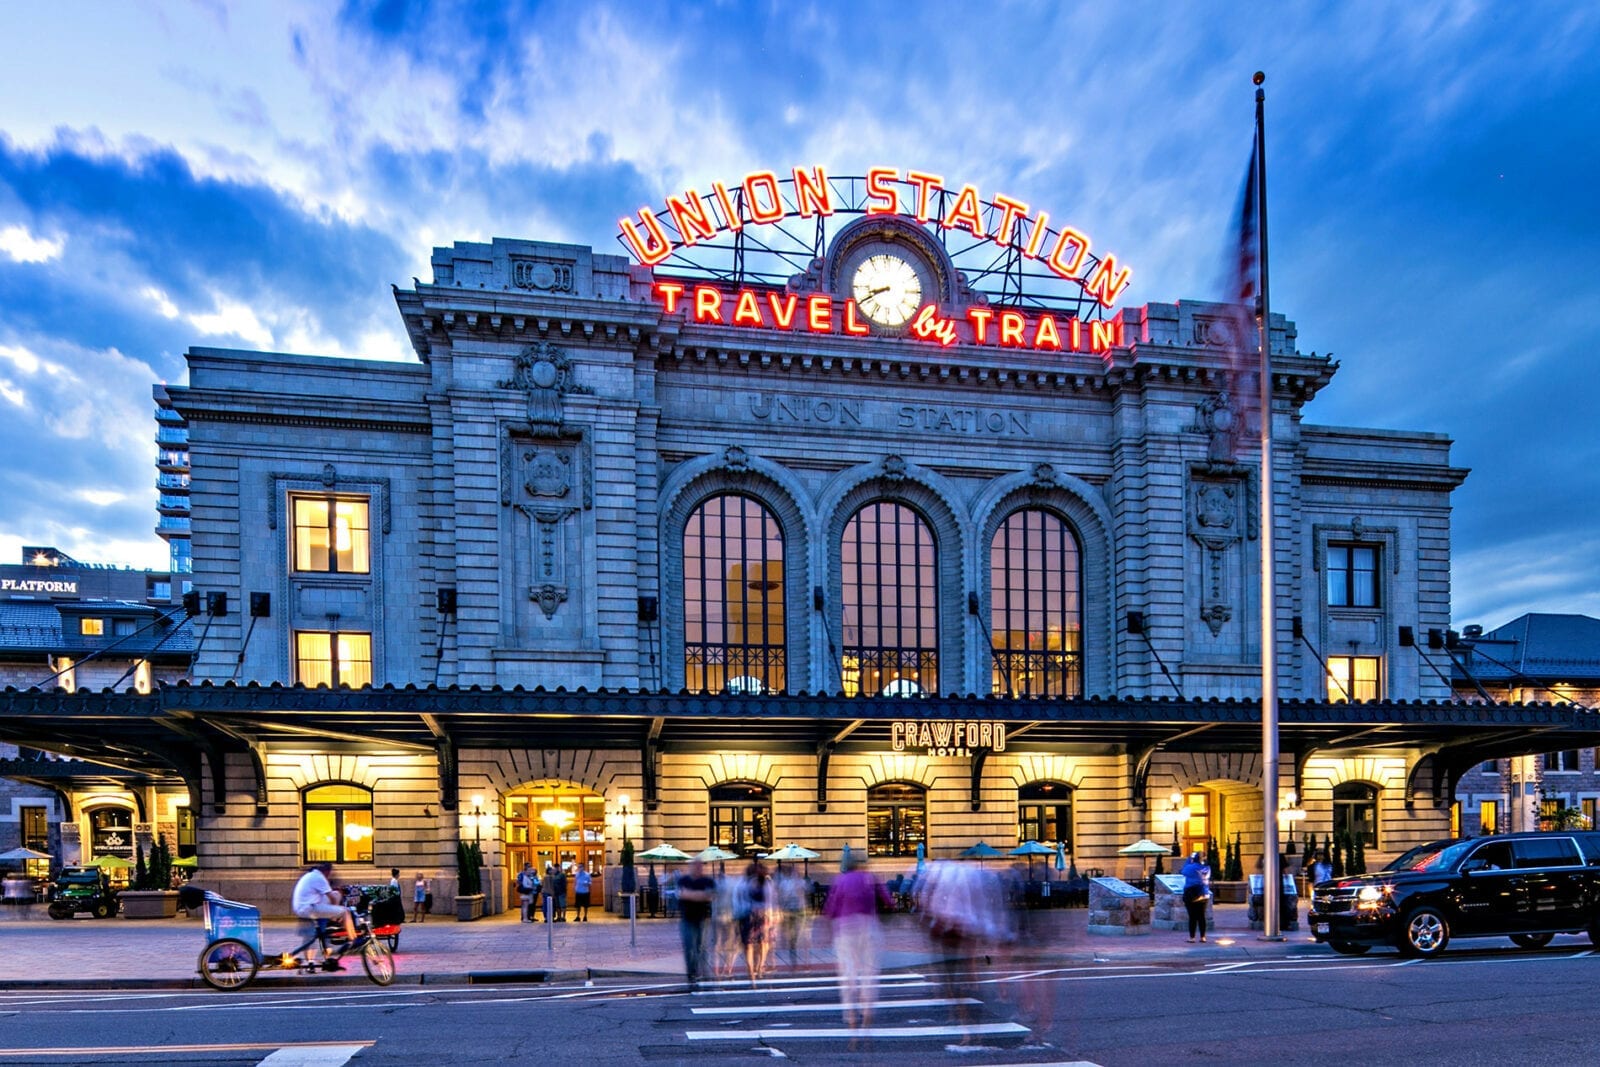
(331, 534)
(333, 659)
(888, 571)
(1355, 677)
(1035, 608)
(733, 603)
(1352, 576)
(123, 627)
(338, 823)
(1561, 762)
(92, 627)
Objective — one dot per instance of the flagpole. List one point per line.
(1272, 879)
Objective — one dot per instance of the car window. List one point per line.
(1495, 855)
(1547, 852)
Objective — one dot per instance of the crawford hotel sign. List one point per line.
(921, 261)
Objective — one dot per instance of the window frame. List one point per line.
(901, 842)
(1562, 761)
(335, 666)
(1031, 807)
(1019, 592)
(762, 662)
(1345, 576)
(38, 840)
(750, 804)
(339, 809)
(1346, 688)
(917, 662)
(1344, 806)
(330, 529)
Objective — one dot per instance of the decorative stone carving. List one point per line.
(894, 468)
(1216, 523)
(330, 476)
(1044, 476)
(547, 471)
(545, 373)
(1218, 417)
(539, 274)
(548, 597)
(736, 459)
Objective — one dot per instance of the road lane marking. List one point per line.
(846, 1034)
(313, 1056)
(139, 1050)
(881, 1005)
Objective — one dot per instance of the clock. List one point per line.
(888, 282)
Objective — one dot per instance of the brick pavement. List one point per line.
(38, 952)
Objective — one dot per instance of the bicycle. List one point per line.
(232, 956)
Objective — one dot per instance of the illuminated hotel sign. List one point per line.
(947, 738)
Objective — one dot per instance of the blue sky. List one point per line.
(257, 175)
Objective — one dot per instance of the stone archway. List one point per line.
(553, 822)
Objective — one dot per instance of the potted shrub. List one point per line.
(469, 882)
(151, 896)
(1230, 887)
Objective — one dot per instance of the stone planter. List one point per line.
(148, 903)
(469, 908)
(1229, 892)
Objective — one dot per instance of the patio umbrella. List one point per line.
(17, 855)
(792, 852)
(844, 857)
(1031, 849)
(1144, 848)
(112, 863)
(665, 853)
(186, 861)
(980, 852)
(718, 855)
(922, 856)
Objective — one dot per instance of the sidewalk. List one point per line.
(39, 953)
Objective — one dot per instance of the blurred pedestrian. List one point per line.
(963, 911)
(754, 920)
(1196, 893)
(790, 890)
(561, 894)
(696, 893)
(527, 890)
(853, 904)
(1321, 869)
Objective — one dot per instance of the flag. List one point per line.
(1235, 420)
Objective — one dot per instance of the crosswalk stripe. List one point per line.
(882, 1005)
(312, 1056)
(831, 987)
(845, 1033)
(799, 979)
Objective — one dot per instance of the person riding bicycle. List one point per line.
(315, 899)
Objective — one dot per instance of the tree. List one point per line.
(161, 864)
(1236, 864)
(469, 864)
(1358, 854)
(141, 873)
(1338, 854)
(1309, 852)
(1213, 857)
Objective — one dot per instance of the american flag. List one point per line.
(1243, 298)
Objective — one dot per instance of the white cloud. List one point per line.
(100, 498)
(163, 304)
(233, 319)
(12, 395)
(24, 247)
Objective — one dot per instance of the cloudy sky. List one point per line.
(257, 174)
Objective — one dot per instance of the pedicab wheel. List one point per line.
(379, 964)
(228, 964)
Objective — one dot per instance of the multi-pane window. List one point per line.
(888, 570)
(333, 659)
(338, 823)
(1355, 811)
(92, 627)
(111, 832)
(741, 817)
(1355, 677)
(733, 605)
(897, 819)
(1352, 576)
(1035, 610)
(35, 829)
(1561, 762)
(1044, 813)
(330, 535)
(186, 832)
(1489, 816)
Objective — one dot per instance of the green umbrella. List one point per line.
(186, 861)
(112, 863)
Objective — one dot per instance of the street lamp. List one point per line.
(1289, 812)
(622, 803)
(476, 817)
(1177, 815)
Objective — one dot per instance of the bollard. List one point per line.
(549, 923)
(633, 930)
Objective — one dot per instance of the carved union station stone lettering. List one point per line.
(934, 418)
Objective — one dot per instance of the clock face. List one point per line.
(887, 288)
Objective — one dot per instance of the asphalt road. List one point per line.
(1475, 1006)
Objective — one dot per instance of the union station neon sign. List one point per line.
(758, 199)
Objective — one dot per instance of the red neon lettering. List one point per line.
(1011, 329)
(1080, 248)
(819, 313)
(763, 179)
(650, 252)
(979, 317)
(707, 304)
(690, 216)
(964, 212)
(851, 323)
(928, 324)
(1010, 211)
(1077, 334)
(925, 184)
(1102, 286)
(1045, 334)
(811, 194)
(670, 291)
(1041, 226)
(885, 201)
(746, 313)
(783, 314)
(720, 191)
(1103, 335)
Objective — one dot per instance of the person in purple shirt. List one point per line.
(852, 906)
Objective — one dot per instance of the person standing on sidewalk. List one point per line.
(696, 891)
(581, 884)
(527, 889)
(561, 894)
(419, 899)
(1196, 894)
(853, 903)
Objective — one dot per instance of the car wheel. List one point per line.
(1348, 948)
(1425, 934)
(1532, 940)
(59, 912)
(104, 910)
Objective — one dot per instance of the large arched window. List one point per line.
(1044, 813)
(888, 569)
(338, 823)
(1355, 811)
(1035, 606)
(897, 819)
(741, 817)
(733, 598)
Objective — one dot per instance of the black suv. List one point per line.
(1528, 887)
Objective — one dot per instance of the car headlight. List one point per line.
(1371, 897)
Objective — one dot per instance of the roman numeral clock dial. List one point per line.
(887, 287)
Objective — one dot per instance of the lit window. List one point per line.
(733, 603)
(1354, 677)
(1489, 816)
(741, 817)
(91, 627)
(323, 658)
(897, 819)
(1355, 811)
(186, 832)
(1044, 813)
(338, 823)
(1035, 619)
(330, 535)
(1352, 576)
(889, 575)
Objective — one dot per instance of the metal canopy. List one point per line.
(164, 733)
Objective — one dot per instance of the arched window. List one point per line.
(1355, 811)
(338, 823)
(888, 570)
(1044, 813)
(897, 819)
(741, 817)
(111, 832)
(733, 598)
(1035, 606)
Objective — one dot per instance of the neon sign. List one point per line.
(757, 199)
(821, 313)
(947, 738)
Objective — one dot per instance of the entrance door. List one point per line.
(556, 824)
(1196, 830)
